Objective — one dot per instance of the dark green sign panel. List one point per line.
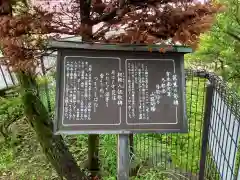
(106, 91)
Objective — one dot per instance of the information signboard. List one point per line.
(100, 91)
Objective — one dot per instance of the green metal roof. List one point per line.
(117, 47)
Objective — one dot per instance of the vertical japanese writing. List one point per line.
(69, 89)
(146, 92)
(152, 102)
(78, 93)
(163, 86)
(82, 77)
(86, 90)
(78, 101)
(95, 94)
(120, 88)
(113, 85)
(133, 103)
(175, 94)
(89, 105)
(139, 83)
(168, 84)
(107, 94)
(143, 91)
(74, 94)
(140, 78)
(66, 99)
(85, 109)
(71, 92)
(158, 93)
(130, 89)
(101, 91)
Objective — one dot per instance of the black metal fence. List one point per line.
(209, 151)
(211, 148)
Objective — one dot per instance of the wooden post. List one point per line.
(123, 157)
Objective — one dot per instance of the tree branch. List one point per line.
(237, 4)
(105, 17)
(231, 34)
(116, 12)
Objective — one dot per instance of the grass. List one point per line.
(163, 156)
(24, 159)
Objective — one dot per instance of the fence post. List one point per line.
(123, 157)
(206, 124)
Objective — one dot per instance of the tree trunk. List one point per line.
(53, 145)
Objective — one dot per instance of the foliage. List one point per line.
(11, 110)
(143, 21)
(23, 33)
(25, 29)
(21, 155)
(152, 151)
(24, 160)
(219, 48)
